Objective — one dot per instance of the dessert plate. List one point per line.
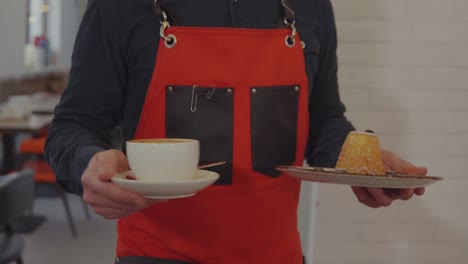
(168, 189)
(337, 176)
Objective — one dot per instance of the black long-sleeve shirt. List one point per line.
(113, 62)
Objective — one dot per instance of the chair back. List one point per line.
(16, 195)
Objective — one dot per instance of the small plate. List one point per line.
(168, 190)
(337, 176)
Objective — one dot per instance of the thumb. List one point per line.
(399, 165)
(413, 170)
(111, 162)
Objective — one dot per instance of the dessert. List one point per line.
(361, 154)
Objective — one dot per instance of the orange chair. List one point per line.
(33, 146)
(44, 175)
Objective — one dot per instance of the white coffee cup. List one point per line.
(163, 159)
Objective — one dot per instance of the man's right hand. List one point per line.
(106, 198)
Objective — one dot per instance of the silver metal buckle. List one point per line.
(290, 40)
(290, 22)
(170, 40)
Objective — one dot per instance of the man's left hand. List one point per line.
(378, 197)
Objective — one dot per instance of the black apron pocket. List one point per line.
(207, 115)
(274, 113)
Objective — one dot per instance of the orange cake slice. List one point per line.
(361, 154)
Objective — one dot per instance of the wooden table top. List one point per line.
(44, 105)
(33, 123)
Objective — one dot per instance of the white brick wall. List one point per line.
(404, 74)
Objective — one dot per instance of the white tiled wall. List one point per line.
(404, 74)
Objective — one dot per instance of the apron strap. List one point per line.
(289, 20)
(289, 16)
(160, 13)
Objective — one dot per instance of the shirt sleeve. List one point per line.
(328, 124)
(91, 105)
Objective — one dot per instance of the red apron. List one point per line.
(243, 94)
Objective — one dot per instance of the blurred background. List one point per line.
(403, 73)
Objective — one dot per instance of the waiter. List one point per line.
(254, 81)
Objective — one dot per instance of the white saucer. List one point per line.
(335, 176)
(168, 190)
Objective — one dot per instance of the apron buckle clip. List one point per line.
(170, 40)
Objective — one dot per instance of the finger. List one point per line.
(397, 164)
(116, 193)
(420, 171)
(379, 195)
(97, 200)
(390, 160)
(393, 162)
(111, 213)
(110, 163)
(364, 197)
(392, 193)
(387, 168)
(405, 194)
(419, 191)
(130, 177)
(110, 190)
(121, 195)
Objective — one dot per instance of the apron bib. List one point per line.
(243, 94)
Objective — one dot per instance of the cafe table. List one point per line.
(45, 106)
(41, 107)
(10, 128)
